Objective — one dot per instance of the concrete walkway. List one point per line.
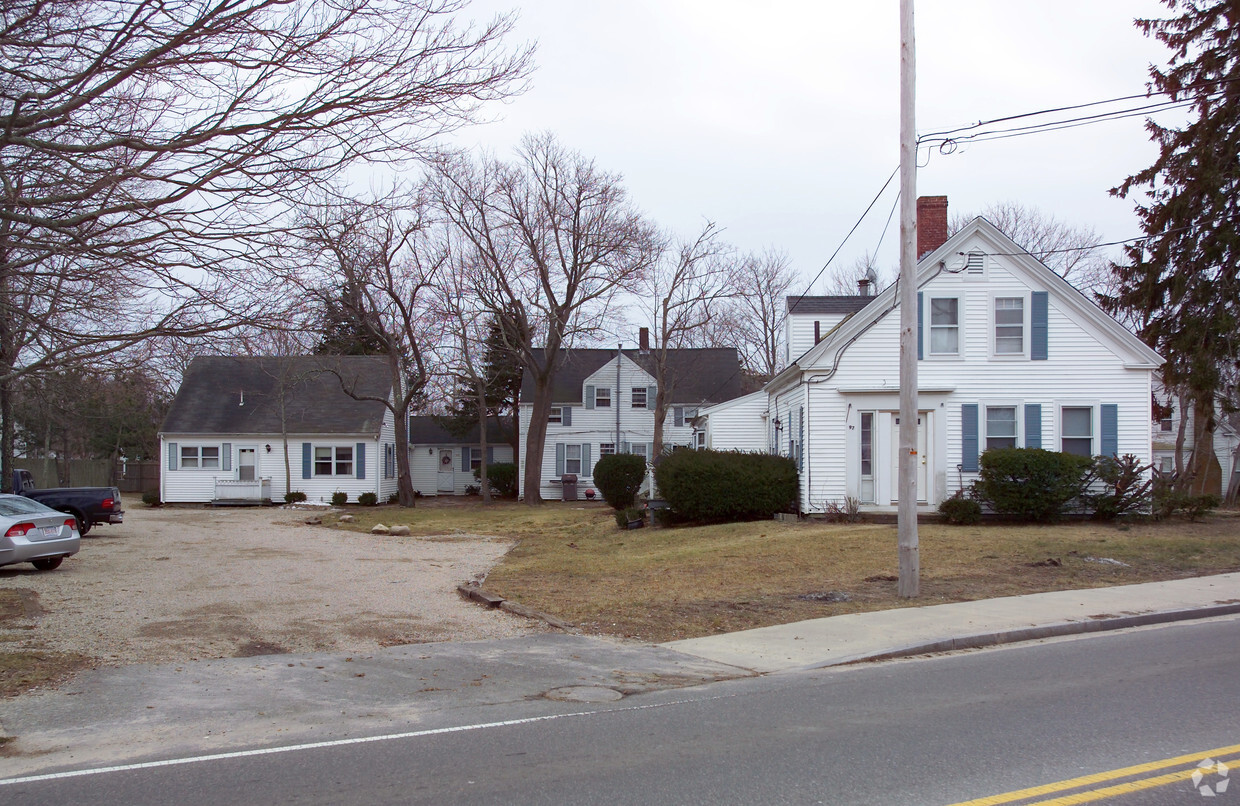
(917, 630)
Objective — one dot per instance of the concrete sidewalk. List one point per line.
(917, 630)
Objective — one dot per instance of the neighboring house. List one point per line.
(734, 425)
(603, 402)
(225, 435)
(442, 463)
(1166, 432)
(1009, 355)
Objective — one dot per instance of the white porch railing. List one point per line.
(231, 489)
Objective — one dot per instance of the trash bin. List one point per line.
(568, 485)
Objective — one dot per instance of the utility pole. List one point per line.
(906, 513)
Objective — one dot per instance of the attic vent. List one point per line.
(975, 263)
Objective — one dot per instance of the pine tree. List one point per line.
(1181, 283)
(344, 327)
(501, 371)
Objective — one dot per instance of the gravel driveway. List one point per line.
(177, 584)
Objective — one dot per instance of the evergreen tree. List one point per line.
(345, 331)
(1181, 284)
(501, 373)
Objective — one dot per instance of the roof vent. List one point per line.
(975, 263)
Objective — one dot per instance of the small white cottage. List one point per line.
(248, 429)
(443, 463)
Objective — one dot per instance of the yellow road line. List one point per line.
(1119, 789)
(1100, 777)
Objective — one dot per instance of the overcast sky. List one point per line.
(779, 120)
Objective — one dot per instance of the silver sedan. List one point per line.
(33, 533)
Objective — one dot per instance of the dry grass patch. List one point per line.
(662, 584)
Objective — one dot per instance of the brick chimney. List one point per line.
(931, 224)
(643, 339)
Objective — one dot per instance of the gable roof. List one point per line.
(429, 430)
(702, 375)
(827, 305)
(949, 256)
(242, 395)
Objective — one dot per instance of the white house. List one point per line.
(239, 426)
(442, 463)
(1009, 355)
(1166, 435)
(734, 425)
(603, 402)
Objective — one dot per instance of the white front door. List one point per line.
(446, 477)
(247, 464)
(922, 457)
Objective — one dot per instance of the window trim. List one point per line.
(1017, 436)
(335, 461)
(199, 459)
(930, 326)
(603, 449)
(633, 392)
(1025, 330)
(1094, 426)
(602, 397)
(556, 415)
(568, 447)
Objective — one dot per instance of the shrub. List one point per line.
(727, 486)
(151, 498)
(1030, 484)
(339, 498)
(623, 516)
(847, 512)
(1168, 503)
(472, 489)
(294, 497)
(368, 499)
(960, 510)
(502, 477)
(394, 498)
(1125, 487)
(618, 477)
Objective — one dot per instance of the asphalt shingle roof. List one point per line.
(429, 430)
(828, 305)
(242, 395)
(702, 376)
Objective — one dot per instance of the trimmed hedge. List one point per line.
(618, 477)
(1031, 484)
(727, 486)
(502, 477)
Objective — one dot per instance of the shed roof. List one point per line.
(828, 305)
(243, 395)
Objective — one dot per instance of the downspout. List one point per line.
(805, 451)
(616, 398)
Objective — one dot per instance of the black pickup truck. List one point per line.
(88, 505)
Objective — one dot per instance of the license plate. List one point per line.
(51, 531)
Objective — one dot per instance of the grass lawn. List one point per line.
(659, 584)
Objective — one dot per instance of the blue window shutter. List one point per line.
(173, 456)
(624, 447)
(566, 415)
(465, 459)
(226, 457)
(589, 397)
(490, 455)
(1039, 331)
(559, 459)
(1109, 415)
(921, 353)
(307, 463)
(1033, 425)
(360, 464)
(586, 468)
(968, 437)
(800, 438)
(649, 451)
(651, 393)
(679, 413)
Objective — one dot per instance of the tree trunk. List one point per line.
(404, 478)
(535, 440)
(6, 432)
(1202, 463)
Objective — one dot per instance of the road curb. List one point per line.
(1034, 633)
(473, 592)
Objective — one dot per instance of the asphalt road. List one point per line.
(935, 730)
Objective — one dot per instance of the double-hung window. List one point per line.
(1000, 427)
(639, 397)
(333, 460)
(556, 416)
(1009, 325)
(572, 459)
(602, 397)
(1076, 430)
(606, 448)
(944, 326)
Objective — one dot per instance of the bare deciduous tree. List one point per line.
(755, 317)
(148, 147)
(683, 296)
(551, 240)
(1065, 248)
(384, 251)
